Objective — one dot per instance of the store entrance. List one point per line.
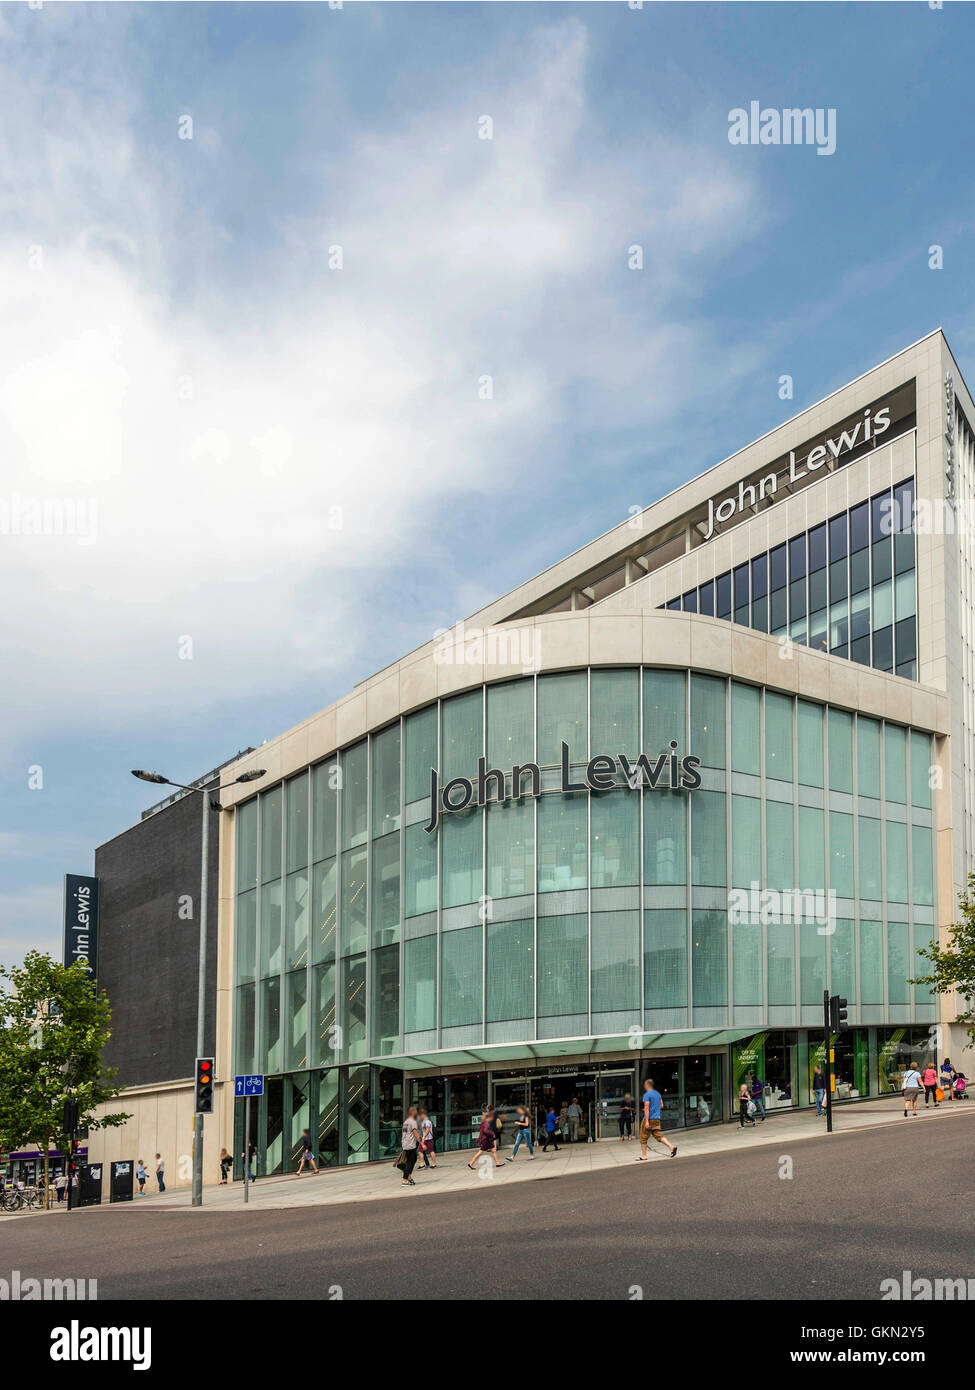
(611, 1089)
(563, 1091)
(690, 1090)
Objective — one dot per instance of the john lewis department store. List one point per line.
(636, 816)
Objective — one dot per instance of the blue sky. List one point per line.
(288, 463)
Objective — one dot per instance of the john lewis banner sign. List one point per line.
(81, 921)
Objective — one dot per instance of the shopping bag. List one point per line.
(401, 1161)
(939, 1094)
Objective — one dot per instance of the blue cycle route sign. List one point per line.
(248, 1086)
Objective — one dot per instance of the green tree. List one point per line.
(954, 964)
(53, 1026)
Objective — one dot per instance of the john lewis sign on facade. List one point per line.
(748, 495)
(662, 772)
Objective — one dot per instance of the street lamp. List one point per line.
(156, 777)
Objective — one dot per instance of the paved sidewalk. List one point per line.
(377, 1181)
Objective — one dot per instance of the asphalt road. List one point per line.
(858, 1208)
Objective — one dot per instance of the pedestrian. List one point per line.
(487, 1139)
(911, 1085)
(409, 1143)
(551, 1130)
(758, 1096)
(564, 1120)
(161, 1172)
(626, 1118)
(930, 1079)
(141, 1173)
(498, 1122)
(428, 1147)
(744, 1100)
(226, 1163)
(250, 1158)
(947, 1078)
(60, 1187)
(819, 1087)
(652, 1106)
(574, 1115)
(523, 1133)
(307, 1153)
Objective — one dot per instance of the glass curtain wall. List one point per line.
(847, 587)
(804, 861)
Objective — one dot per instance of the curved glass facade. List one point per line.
(803, 862)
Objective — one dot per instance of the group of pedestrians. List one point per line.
(418, 1140)
(142, 1172)
(419, 1134)
(949, 1085)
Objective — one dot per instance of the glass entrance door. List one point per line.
(702, 1089)
(506, 1096)
(666, 1079)
(611, 1087)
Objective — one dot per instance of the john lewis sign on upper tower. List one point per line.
(748, 495)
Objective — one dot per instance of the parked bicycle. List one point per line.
(13, 1199)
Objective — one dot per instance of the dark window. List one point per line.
(707, 599)
(882, 559)
(860, 651)
(906, 640)
(797, 557)
(690, 601)
(817, 549)
(859, 527)
(778, 615)
(674, 603)
(904, 509)
(817, 590)
(741, 587)
(818, 631)
(859, 571)
(883, 648)
(837, 580)
(881, 516)
(777, 567)
(837, 537)
(759, 576)
(723, 587)
(904, 552)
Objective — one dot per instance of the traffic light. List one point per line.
(837, 1013)
(70, 1117)
(204, 1086)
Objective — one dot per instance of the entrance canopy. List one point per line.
(534, 1052)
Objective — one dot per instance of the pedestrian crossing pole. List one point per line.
(829, 1063)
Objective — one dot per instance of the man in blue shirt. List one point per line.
(650, 1123)
(551, 1130)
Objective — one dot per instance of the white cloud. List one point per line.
(251, 468)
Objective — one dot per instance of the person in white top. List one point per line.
(912, 1085)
